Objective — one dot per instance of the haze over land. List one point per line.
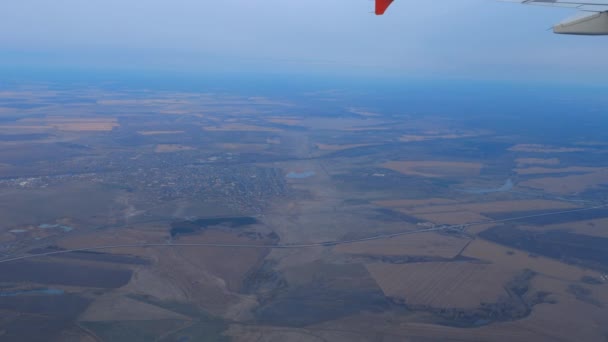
(339, 210)
(300, 171)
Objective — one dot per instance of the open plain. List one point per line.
(201, 216)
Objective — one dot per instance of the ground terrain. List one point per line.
(252, 218)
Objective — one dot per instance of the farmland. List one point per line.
(186, 215)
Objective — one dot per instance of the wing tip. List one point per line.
(382, 5)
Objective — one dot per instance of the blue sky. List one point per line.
(478, 39)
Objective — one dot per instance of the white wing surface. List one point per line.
(592, 23)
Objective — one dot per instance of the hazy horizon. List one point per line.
(468, 39)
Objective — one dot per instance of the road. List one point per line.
(295, 246)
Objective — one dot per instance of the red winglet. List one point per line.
(382, 5)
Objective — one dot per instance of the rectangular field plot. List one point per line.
(441, 284)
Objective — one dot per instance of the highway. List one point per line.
(297, 246)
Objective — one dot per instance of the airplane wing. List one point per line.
(382, 5)
(593, 22)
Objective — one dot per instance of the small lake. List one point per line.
(300, 175)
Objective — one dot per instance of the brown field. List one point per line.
(519, 260)
(363, 112)
(285, 121)
(165, 148)
(240, 127)
(596, 227)
(24, 128)
(434, 168)
(343, 124)
(559, 327)
(115, 307)
(233, 266)
(329, 147)
(445, 211)
(158, 132)
(259, 333)
(441, 284)
(520, 205)
(569, 184)
(543, 148)
(202, 276)
(243, 147)
(567, 320)
(141, 102)
(415, 138)
(410, 245)
(261, 100)
(408, 203)
(450, 217)
(31, 95)
(141, 234)
(76, 124)
(521, 162)
(545, 170)
(497, 206)
(367, 128)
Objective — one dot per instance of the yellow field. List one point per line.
(363, 112)
(413, 245)
(166, 148)
(543, 148)
(521, 162)
(518, 205)
(61, 123)
(596, 227)
(158, 132)
(519, 260)
(441, 284)
(190, 274)
(449, 217)
(569, 184)
(368, 128)
(329, 147)
(445, 211)
(240, 127)
(285, 121)
(497, 206)
(415, 138)
(545, 170)
(434, 168)
(408, 203)
(141, 102)
(243, 147)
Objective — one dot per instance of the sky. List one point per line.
(476, 39)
